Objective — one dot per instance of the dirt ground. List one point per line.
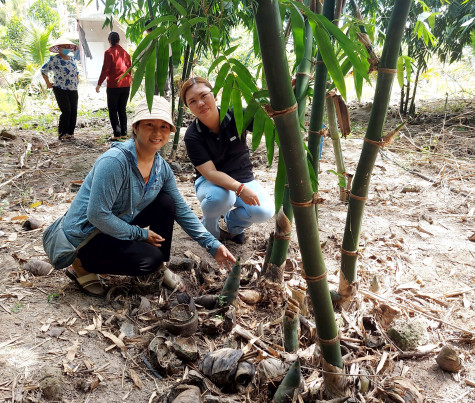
(417, 245)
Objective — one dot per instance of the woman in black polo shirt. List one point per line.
(225, 184)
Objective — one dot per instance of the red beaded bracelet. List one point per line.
(239, 191)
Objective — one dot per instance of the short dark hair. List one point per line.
(114, 38)
(151, 28)
(190, 83)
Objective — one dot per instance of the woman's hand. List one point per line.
(224, 257)
(98, 88)
(154, 239)
(249, 197)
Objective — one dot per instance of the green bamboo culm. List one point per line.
(361, 180)
(318, 103)
(333, 130)
(289, 385)
(304, 73)
(231, 285)
(282, 99)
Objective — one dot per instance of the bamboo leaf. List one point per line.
(249, 113)
(150, 78)
(179, 7)
(258, 128)
(226, 96)
(298, 30)
(230, 50)
(269, 132)
(162, 63)
(215, 63)
(237, 107)
(400, 71)
(280, 180)
(325, 48)
(351, 49)
(243, 73)
(255, 42)
(159, 20)
(358, 81)
(138, 76)
(221, 77)
(108, 8)
(146, 41)
(197, 20)
(188, 35)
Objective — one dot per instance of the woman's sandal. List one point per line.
(90, 284)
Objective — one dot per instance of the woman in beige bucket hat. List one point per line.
(65, 84)
(129, 189)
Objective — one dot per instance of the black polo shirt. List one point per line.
(228, 152)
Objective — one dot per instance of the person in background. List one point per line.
(116, 63)
(65, 85)
(121, 219)
(225, 183)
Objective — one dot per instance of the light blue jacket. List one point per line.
(114, 187)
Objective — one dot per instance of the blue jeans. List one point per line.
(217, 201)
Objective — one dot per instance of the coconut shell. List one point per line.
(182, 320)
(186, 348)
(449, 360)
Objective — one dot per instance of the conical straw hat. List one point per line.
(66, 43)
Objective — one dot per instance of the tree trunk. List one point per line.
(361, 180)
(276, 67)
(187, 63)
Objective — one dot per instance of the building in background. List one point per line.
(93, 39)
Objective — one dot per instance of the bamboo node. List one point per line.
(314, 279)
(284, 237)
(349, 253)
(273, 113)
(379, 143)
(360, 198)
(389, 71)
(323, 132)
(331, 341)
(302, 73)
(316, 199)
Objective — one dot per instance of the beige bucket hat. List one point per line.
(160, 110)
(65, 43)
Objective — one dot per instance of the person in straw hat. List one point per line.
(129, 189)
(65, 85)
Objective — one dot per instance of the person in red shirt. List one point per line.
(116, 63)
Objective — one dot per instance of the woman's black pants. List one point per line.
(104, 254)
(116, 102)
(68, 104)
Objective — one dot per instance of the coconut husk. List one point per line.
(38, 267)
(400, 390)
(449, 360)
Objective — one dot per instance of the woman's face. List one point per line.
(200, 100)
(151, 134)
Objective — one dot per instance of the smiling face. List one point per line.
(201, 102)
(151, 134)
